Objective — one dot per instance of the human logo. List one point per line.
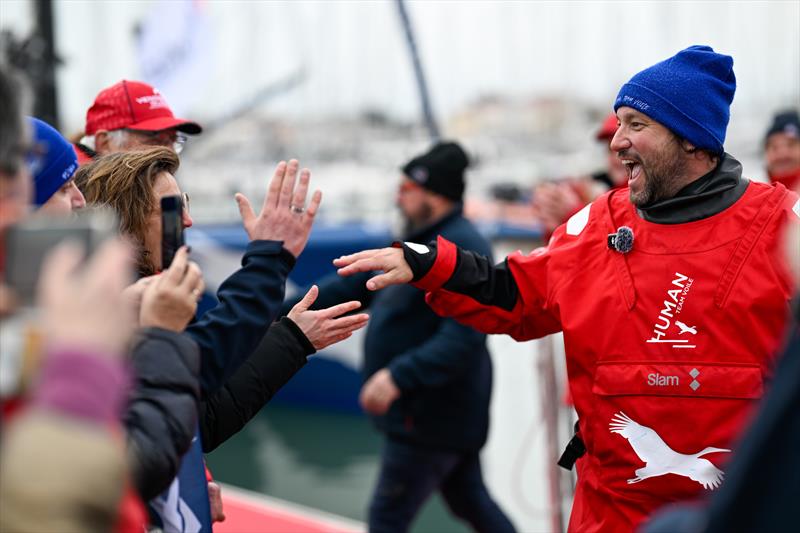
(660, 459)
(674, 301)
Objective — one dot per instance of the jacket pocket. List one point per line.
(662, 431)
(699, 380)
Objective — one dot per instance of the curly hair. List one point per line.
(124, 182)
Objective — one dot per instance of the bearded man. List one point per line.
(670, 295)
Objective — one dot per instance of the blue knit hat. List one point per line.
(57, 164)
(689, 93)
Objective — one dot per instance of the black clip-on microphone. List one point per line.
(622, 240)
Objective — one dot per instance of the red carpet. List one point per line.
(249, 512)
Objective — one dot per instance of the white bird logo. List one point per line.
(685, 328)
(660, 459)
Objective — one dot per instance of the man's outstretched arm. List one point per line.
(465, 285)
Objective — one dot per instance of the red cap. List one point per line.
(608, 129)
(134, 105)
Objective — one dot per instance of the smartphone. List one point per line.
(29, 242)
(171, 228)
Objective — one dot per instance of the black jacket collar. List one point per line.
(429, 232)
(704, 197)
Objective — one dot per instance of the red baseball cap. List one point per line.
(608, 129)
(134, 105)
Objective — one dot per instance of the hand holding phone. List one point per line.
(28, 242)
(170, 300)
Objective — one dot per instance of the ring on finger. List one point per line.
(297, 209)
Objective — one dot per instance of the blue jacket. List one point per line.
(442, 367)
(249, 300)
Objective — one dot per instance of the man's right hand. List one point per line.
(170, 300)
(388, 260)
(284, 215)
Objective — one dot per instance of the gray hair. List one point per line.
(118, 137)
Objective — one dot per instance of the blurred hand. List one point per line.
(379, 392)
(389, 260)
(133, 295)
(82, 305)
(553, 203)
(215, 499)
(284, 215)
(326, 326)
(170, 300)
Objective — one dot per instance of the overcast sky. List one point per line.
(354, 56)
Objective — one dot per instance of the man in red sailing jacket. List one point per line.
(669, 294)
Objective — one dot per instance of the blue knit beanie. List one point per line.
(57, 164)
(689, 93)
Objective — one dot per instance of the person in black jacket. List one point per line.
(161, 415)
(281, 354)
(428, 379)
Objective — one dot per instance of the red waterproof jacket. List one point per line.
(668, 346)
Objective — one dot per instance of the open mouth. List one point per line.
(633, 168)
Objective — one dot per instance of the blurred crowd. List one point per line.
(112, 388)
(109, 380)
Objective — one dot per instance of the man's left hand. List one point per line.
(379, 392)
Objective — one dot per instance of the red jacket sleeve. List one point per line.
(511, 297)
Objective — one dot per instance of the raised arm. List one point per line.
(465, 285)
(280, 355)
(250, 299)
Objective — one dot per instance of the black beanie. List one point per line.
(787, 122)
(440, 170)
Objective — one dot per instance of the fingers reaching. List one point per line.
(349, 259)
(309, 299)
(245, 209)
(300, 193)
(313, 205)
(366, 264)
(284, 215)
(382, 281)
(275, 185)
(388, 260)
(349, 323)
(340, 309)
(287, 186)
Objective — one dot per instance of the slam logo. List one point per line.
(673, 305)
